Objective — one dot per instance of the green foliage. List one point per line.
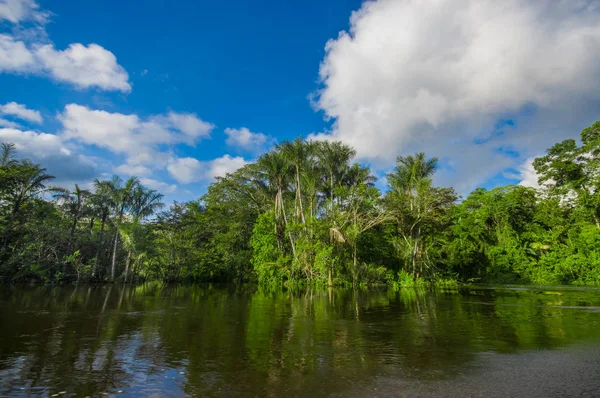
(269, 265)
(305, 213)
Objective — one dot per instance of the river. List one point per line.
(225, 341)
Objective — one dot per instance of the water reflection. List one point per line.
(227, 341)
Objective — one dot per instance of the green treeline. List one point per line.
(306, 213)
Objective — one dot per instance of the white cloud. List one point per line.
(132, 170)
(437, 75)
(190, 125)
(51, 152)
(114, 131)
(33, 143)
(9, 124)
(84, 67)
(141, 140)
(27, 51)
(14, 55)
(81, 66)
(526, 174)
(16, 11)
(225, 164)
(20, 111)
(245, 139)
(187, 170)
(160, 186)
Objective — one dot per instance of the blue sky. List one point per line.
(179, 92)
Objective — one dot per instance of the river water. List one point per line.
(173, 341)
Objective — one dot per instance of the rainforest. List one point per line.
(307, 213)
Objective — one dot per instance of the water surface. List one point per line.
(155, 340)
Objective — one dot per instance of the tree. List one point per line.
(273, 173)
(101, 203)
(25, 181)
(121, 196)
(143, 203)
(296, 153)
(571, 171)
(360, 211)
(416, 207)
(334, 157)
(74, 204)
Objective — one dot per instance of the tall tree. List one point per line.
(74, 204)
(334, 157)
(273, 174)
(26, 181)
(122, 195)
(143, 204)
(101, 205)
(415, 204)
(297, 153)
(573, 172)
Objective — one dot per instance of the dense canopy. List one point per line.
(306, 213)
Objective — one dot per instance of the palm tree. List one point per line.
(410, 184)
(7, 157)
(121, 195)
(274, 170)
(28, 180)
(101, 204)
(410, 170)
(334, 157)
(74, 203)
(296, 153)
(143, 204)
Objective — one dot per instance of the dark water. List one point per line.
(212, 341)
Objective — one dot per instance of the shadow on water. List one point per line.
(177, 340)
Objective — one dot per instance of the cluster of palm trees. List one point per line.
(322, 203)
(116, 204)
(123, 204)
(314, 186)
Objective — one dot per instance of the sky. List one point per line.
(179, 93)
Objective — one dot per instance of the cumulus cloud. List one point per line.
(14, 55)
(438, 76)
(51, 152)
(187, 170)
(84, 66)
(16, 11)
(20, 111)
(160, 186)
(245, 139)
(27, 51)
(140, 139)
(190, 125)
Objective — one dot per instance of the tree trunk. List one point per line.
(114, 256)
(331, 187)
(416, 253)
(100, 241)
(355, 258)
(299, 195)
(330, 275)
(127, 262)
(289, 232)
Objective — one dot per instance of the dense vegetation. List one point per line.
(305, 213)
